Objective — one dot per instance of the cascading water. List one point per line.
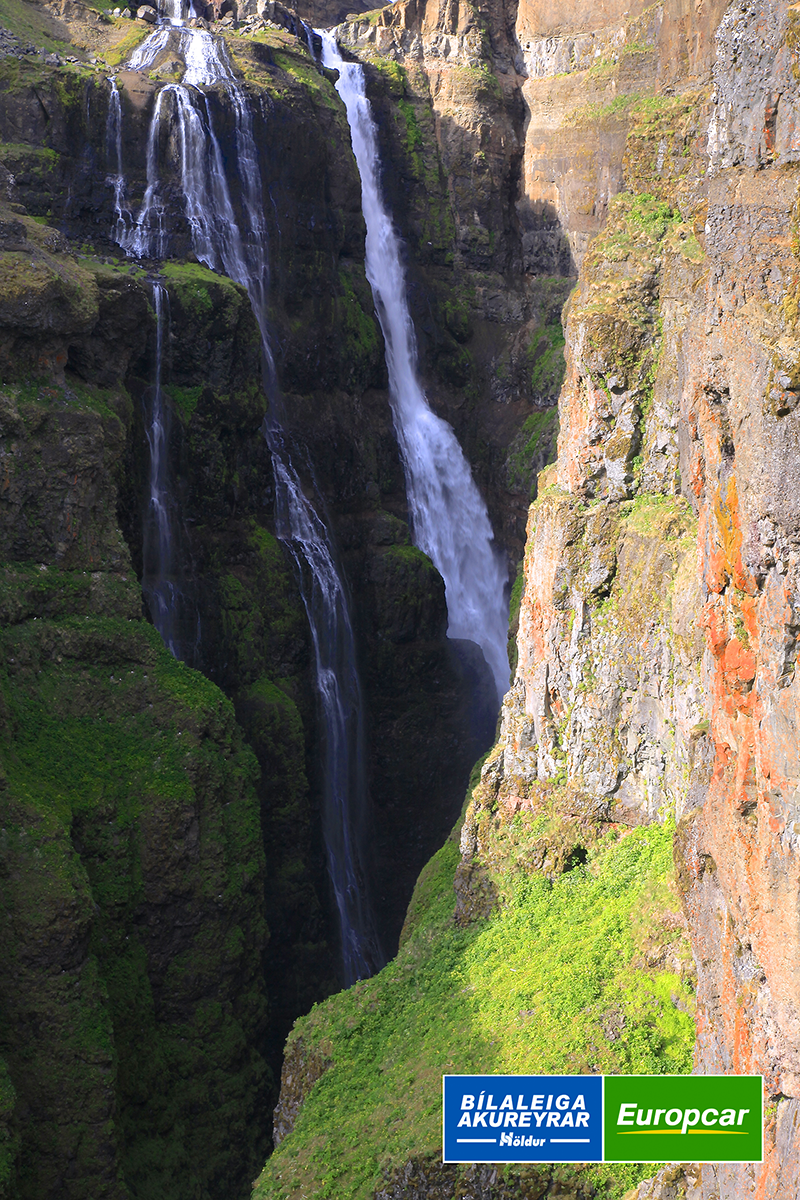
(449, 518)
(158, 584)
(223, 244)
(114, 152)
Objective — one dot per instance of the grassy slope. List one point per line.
(529, 991)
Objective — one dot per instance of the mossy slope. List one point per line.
(556, 979)
(133, 901)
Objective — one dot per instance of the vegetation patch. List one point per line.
(514, 607)
(601, 112)
(665, 141)
(184, 399)
(546, 359)
(532, 449)
(637, 221)
(477, 83)
(113, 750)
(192, 283)
(31, 23)
(554, 982)
(134, 34)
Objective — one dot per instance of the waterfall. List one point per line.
(239, 249)
(448, 516)
(114, 152)
(158, 585)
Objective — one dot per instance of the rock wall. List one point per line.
(657, 627)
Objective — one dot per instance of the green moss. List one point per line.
(357, 332)
(682, 239)
(456, 312)
(532, 449)
(184, 399)
(664, 140)
(513, 617)
(192, 283)
(113, 751)
(408, 556)
(636, 223)
(52, 284)
(601, 113)
(413, 133)
(652, 216)
(394, 75)
(278, 730)
(478, 83)
(300, 67)
(527, 991)
(13, 154)
(546, 358)
(516, 595)
(372, 17)
(653, 512)
(9, 1137)
(125, 47)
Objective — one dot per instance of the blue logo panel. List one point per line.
(522, 1118)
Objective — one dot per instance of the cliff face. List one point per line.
(132, 863)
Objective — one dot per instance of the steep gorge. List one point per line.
(650, 152)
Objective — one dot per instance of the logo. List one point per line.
(595, 1118)
(683, 1118)
(522, 1118)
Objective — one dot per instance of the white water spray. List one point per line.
(448, 517)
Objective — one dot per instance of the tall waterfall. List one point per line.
(237, 246)
(449, 518)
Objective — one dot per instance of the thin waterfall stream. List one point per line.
(238, 247)
(448, 516)
(158, 584)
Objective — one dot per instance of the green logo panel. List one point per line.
(683, 1118)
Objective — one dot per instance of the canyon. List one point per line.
(595, 220)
